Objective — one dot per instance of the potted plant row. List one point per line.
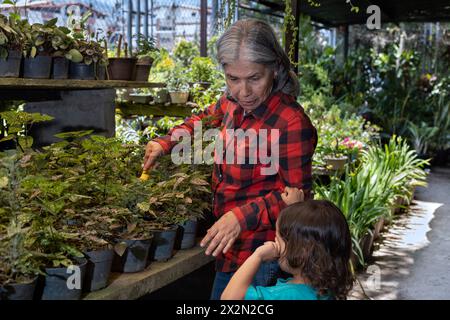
(133, 66)
(79, 206)
(49, 51)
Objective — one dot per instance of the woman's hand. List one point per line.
(269, 251)
(152, 151)
(222, 234)
(292, 195)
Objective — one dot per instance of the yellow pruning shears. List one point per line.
(145, 175)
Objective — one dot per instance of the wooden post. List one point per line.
(295, 5)
(204, 28)
(146, 19)
(130, 24)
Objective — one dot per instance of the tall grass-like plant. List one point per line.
(371, 190)
(403, 164)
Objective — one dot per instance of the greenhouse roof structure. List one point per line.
(334, 13)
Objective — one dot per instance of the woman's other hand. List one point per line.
(222, 234)
(292, 195)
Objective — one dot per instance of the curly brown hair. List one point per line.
(318, 245)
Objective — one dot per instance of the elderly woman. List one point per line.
(261, 94)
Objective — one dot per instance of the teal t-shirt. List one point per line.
(283, 291)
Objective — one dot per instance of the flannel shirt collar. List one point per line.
(261, 111)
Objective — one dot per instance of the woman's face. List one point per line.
(249, 83)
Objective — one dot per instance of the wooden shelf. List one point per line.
(127, 286)
(171, 110)
(56, 84)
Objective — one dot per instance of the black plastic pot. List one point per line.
(39, 67)
(10, 67)
(135, 257)
(101, 72)
(56, 286)
(187, 231)
(60, 68)
(81, 71)
(163, 244)
(142, 72)
(122, 68)
(19, 291)
(98, 269)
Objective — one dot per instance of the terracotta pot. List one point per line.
(122, 68)
(378, 228)
(143, 67)
(336, 163)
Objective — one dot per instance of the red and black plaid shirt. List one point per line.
(255, 198)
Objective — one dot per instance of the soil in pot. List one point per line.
(163, 244)
(39, 67)
(10, 67)
(98, 269)
(186, 235)
(57, 280)
(131, 255)
(82, 71)
(122, 68)
(60, 68)
(19, 291)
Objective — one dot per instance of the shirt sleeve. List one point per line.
(297, 144)
(212, 114)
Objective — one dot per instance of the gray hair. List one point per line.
(262, 47)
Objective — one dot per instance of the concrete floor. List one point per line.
(413, 257)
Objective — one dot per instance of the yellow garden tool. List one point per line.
(145, 175)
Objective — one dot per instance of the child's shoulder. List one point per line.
(283, 290)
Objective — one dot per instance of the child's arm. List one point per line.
(292, 195)
(243, 277)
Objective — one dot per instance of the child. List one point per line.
(312, 243)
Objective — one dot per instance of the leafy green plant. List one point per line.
(422, 135)
(18, 124)
(10, 36)
(18, 263)
(184, 52)
(370, 191)
(178, 80)
(146, 47)
(202, 69)
(176, 200)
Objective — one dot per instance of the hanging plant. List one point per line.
(289, 25)
(227, 10)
